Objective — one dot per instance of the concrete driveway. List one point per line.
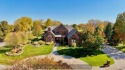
(75, 63)
(2, 44)
(117, 55)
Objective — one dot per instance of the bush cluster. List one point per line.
(41, 63)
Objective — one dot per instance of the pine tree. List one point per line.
(108, 32)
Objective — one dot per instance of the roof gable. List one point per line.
(71, 33)
(69, 28)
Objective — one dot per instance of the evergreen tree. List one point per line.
(108, 32)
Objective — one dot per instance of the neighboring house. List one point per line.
(62, 34)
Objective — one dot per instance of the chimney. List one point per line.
(49, 29)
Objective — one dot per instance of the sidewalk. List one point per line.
(2, 44)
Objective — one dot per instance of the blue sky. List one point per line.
(66, 11)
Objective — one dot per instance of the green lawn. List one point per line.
(98, 58)
(29, 51)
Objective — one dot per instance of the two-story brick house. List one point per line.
(61, 34)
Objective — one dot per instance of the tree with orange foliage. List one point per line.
(119, 29)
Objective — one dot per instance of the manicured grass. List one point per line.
(29, 51)
(97, 58)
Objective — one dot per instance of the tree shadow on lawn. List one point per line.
(4, 49)
(79, 52)
(36, 39)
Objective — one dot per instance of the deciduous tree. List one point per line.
(119, 28)
(13, 39)
(1, 35)
(48, 22)
(4, 27)
(37, 30)
(81, 26)
(56, 23)
(23, 24)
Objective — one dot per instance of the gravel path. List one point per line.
(2, 44)
(2, 67)
(118, 56)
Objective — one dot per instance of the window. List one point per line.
(73, 40)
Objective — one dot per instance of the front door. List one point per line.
(57, 40)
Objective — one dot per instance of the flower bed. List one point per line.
(39, 63)
(15, 52)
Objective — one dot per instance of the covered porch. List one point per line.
(60, 39)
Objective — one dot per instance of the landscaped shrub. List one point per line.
(73, 44)
(40, 63)
(50, 43)
(14, 52)
(36, 44)
(41, 42)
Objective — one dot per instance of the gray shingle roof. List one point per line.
(52, 28)
(71, 33)
(69, 28)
